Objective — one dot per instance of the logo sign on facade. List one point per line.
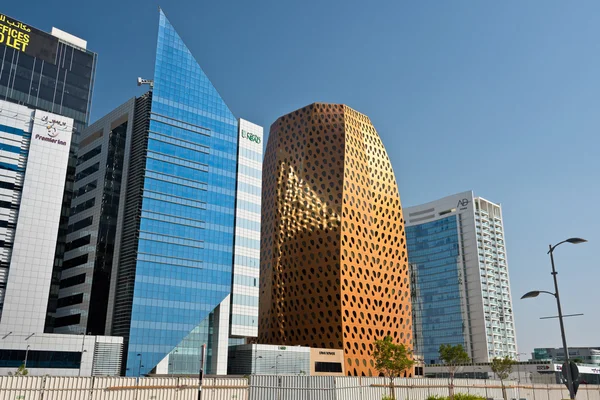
(463, 203)
(23, 38)
(251, 137)
(52, 128)
(327, 353)
(543, 367)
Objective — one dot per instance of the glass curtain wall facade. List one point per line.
(184, 254)
(433, 253)
(153, 223)
(57, 78)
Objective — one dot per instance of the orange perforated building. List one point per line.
(334, 268)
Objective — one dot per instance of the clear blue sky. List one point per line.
(499, 97)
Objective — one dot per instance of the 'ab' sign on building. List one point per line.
(251, 137)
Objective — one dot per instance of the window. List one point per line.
(328, 366)
(66, 321)
(83, 206)
(40, 359)
(90, 154)
(75, 262)
(87, 172)
(70, 300)
(86, 188)
(72, 281)
(74, 227)
(78, 243)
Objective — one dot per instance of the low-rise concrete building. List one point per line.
(523, 372)
(263, 359)
(61, 355)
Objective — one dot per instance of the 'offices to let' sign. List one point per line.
(13, 33)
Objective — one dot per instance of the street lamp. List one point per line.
(26, 354)
(277, 364)
(256, 363)
(536, 293)
(140, 365)
(519, 365)
(172, 363)
(82, 351)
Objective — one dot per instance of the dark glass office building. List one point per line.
(51, 72)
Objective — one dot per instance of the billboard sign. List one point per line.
(28, 40)
(53, 129)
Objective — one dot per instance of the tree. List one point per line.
(392, 360)
(21, 371)
(502, 367)
(452, 356)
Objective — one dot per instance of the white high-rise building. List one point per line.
(459, 278)
(34, 154)
(34, 151)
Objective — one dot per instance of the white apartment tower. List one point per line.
(459, 276)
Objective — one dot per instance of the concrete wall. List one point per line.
(326, 355)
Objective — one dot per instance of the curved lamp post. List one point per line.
(536, 293)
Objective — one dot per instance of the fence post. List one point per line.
(428, 390)
(587, 393)
(92, 387)
(43, 387)
(360, 384)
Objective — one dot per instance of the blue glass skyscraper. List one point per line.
(171, 272)
(184, 264)
(433, 250)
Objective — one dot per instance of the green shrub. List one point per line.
(464, 396)
(457, 396)
(386, 397)
(436, 397)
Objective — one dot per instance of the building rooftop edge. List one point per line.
(422, 205)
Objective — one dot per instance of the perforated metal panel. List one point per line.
(334, 270)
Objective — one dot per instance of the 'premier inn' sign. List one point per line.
(28, 40)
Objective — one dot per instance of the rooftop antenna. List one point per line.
(141, 81)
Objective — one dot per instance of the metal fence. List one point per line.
(263, 387)
(116, 388)
(339, 388)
